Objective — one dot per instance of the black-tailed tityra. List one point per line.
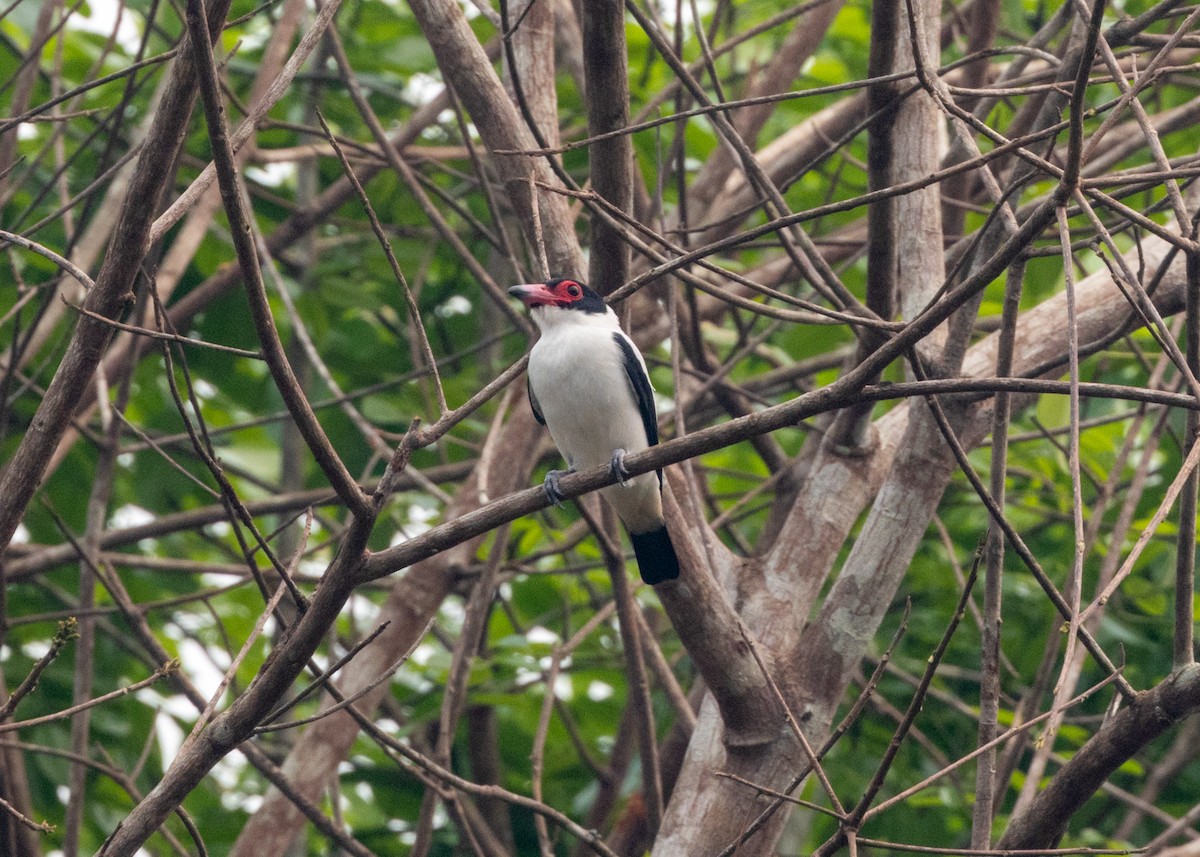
(588, 385)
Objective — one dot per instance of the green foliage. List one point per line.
(193, 582)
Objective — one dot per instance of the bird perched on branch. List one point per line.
(588, 385)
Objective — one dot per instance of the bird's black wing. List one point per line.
(533, 402)
(640, 382)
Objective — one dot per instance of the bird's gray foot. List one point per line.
(550, 486)
(617, 467)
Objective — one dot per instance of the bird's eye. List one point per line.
(573, 290)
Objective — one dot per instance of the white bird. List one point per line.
(589, 386)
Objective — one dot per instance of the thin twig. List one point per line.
(36, 826)
(157, 334)
(853, 821)
(414, 313)
(68, 629)
(241, 229)
(165, 670)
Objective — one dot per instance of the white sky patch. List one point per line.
(457, 305)
(410, 531)
(364, 612)
(21, 535)
(167, 731)
(539, 634)
(228, 774)
(199, 666)
(418, 522)
(423, 653)
(564, 688)
(421, 88)
(599, 691)
(27, 131)
(272, 175)
(434, 133)
(667, 8)
(130, 515)
(452, 612)
(255, 34)
(214, 579)
(313, 567)
(204, 390)
(320, 661)
(246, 803)
(225, 772)
(527, 677)
(421, 514)
(169, 737)
(191, 622)
(100, 16)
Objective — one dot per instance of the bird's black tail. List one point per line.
(655, 556)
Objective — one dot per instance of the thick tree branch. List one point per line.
(1116, 742)
(611, 160)
(467, 69)
(716, 638)
(851, 430)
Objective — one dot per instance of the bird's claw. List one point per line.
(550, 486)
(617, 467)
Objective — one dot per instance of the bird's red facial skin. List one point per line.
(568, 291)
(539, 294)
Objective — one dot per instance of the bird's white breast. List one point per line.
(578, 376)
(577, 373)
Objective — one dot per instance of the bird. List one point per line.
(588, 385)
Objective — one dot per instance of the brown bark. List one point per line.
(610, 161)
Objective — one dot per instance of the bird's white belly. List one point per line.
(586, 397)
